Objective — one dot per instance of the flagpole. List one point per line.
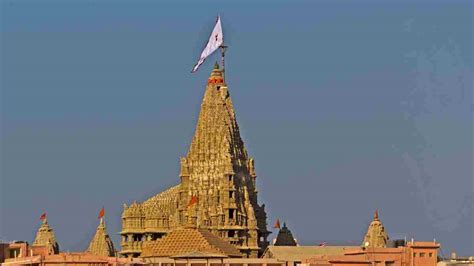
(223, 48)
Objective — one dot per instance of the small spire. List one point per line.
(285, 237)
(216, 65)
(101, 244)
(45, 237)
(376, 237)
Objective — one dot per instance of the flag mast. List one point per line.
(223, 49)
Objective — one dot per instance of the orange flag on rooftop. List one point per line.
(277, 224)
(101, 213)
(43, 216)
(194, 199)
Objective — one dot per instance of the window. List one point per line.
(231, 214)
(414, 254)
(430, 254)
(231, 194)
(231, 233)
(230, 177)
(14, 252)
(422, 254)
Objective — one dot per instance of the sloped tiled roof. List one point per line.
(184, 241)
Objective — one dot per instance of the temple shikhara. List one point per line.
(376, 236)
(217, 189)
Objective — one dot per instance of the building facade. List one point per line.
(217, 189)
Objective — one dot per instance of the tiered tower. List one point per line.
(101, 244)
(376, 236)
(218, 174)
(45, 238)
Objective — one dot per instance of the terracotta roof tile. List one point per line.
(189, 241)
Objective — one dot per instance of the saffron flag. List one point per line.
(43, 216)
(322, 244)
(101, 213)
(277, 224)
(194, 200)
(215, 41)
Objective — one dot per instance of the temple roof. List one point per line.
(45, 237)
(216, 145)
(285, 237)
(376, 236)
(162, 203)
(101, 244)
(187, 242)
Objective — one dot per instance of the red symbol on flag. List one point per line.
(277, 224)
(101, 213)
(194, 200)
(43, 216)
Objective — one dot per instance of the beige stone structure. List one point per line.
(45, 238)
(101, 244)
(217, 191)
(376, 236)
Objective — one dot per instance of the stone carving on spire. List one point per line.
(45, 237)
(376, 236)
(101, 244)
(219, 172)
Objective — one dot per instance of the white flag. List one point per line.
(216, 40)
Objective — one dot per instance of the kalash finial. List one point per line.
(376, 214)
(216, 65)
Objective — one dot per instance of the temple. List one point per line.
(101, 244)
(376, 236)
(217, 191)
(285, 237)
(45, 239)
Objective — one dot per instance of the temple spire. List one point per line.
(285, 237)
(45, 237)
(101, 244)
(376, 236)
(216, 140)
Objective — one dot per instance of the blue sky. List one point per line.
(346, 106)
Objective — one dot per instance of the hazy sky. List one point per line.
(346, 106)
